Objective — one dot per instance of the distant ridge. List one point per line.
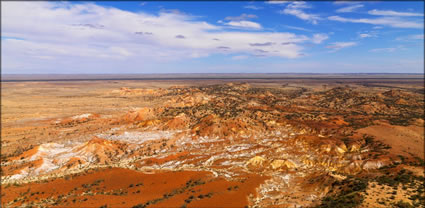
(236, 76)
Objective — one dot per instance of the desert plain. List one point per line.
(213, 141)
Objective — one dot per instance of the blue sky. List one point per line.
(212, 37)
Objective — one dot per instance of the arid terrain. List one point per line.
(324, 141)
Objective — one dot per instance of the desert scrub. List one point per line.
(349, 196)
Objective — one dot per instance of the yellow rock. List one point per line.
(340, 150)
(338, 177)
(303, 131)
(354, 148)
(308, 162)
(290, 164)
(276, 164)
(343, 146)
(326, 148)
(256, 161)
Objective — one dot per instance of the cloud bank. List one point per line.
(86, 35)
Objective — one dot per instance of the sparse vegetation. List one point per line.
(219, 128)
(349, 196)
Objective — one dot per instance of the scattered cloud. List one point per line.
(143, 33)
(244, 24)
(241, 17)
(297, 9)
(223, 47)
(365, 35)
(276, 2)
(338, 2)
(180, 37)
(388, 50)
(298, 28)
(319, 38)
(394, 13)
(340, 45)
(81, 36)
(262, 44)
(173, 11)
(253, 7)
(107, 43)
(261, 51)
(387, 21)
(240, 57)
(351, 8)
(368, 34)
(88, 26)
(411, 37)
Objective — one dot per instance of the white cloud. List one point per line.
(387, 21)
(388, 50)
(298, 28)
(244, 24)
(368, 34)
(338, 2)
(296, 9)
(349, 8)
(276, 2)
(415, 37)
(319, 38)
(90, 36)
(340, 45)
(241, 17)
(240, 57)
(253, 7)
(365, 35)
(394, 13)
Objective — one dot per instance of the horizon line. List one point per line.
(203, 73)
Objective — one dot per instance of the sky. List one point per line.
(107, 37)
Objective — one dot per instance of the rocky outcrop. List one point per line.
(255, 162)
(138, 115)
(278, 164)
(301, 140)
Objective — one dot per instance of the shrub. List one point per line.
(402, 204)
(350, 195)
(139, 206)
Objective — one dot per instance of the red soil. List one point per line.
(126, 188)
(404, 140)
(18, 168)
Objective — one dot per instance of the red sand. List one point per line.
(132, 188)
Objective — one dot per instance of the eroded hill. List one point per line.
(279, 146)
